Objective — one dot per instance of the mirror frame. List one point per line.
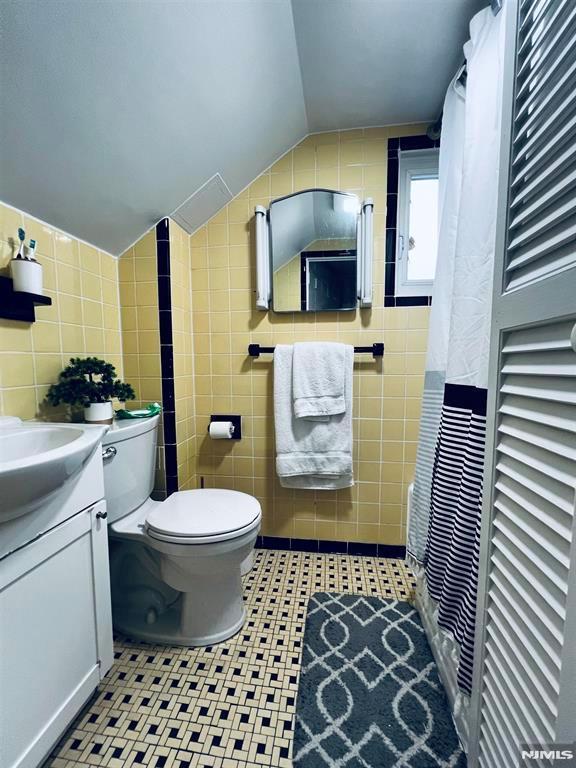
(364, 249)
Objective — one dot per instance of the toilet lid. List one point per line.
(203, 512)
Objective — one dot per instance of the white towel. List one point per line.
(311, 454)
(318, 380)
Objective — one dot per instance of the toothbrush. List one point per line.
(32, 250)
(21, 236)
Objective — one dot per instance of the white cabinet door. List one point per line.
(55, 634)
(525, 664)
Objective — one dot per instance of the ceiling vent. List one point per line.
(202, 204)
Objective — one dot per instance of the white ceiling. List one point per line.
(114, 112)
(378, 62)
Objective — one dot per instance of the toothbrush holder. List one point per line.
(26, 276)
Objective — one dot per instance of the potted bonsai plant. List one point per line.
(91, 383)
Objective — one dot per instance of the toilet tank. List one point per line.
(129, 466)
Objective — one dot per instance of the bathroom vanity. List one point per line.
(55, 616)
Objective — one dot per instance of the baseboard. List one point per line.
(332, 547)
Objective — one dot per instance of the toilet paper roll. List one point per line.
(221, 430)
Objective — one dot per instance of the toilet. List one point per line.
(175, 565)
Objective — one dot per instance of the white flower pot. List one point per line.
(99, 413)
(26, 276)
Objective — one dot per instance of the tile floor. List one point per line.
(230, 705)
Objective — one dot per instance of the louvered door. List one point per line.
(525, 663)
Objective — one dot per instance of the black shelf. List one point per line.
(16, 305)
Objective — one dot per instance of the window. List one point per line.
(417, 233)
(411, 221)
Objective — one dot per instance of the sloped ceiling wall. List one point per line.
(367, 63)
(115, 112)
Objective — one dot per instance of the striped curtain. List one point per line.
(453, 543)
(444, 531)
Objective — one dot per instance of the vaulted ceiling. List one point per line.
(114, 112)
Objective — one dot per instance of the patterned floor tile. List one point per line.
(230, 705)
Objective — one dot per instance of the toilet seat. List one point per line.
(203, 516)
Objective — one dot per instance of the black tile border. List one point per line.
(320, 546)
(168, 401)
(163, 256)
(413, 301)
(170, 455)
(166, 354)
(420, 141)
(171, 484)
(169, 430)
(167, 360)
(164, 293)
(394, 145)
(166, 325)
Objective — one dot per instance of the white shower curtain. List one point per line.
(450, 182)
(445, 517)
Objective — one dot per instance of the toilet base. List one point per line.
(172, 593)
(167, 630)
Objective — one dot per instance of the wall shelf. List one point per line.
(16, 305)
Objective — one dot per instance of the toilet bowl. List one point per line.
(175, 564)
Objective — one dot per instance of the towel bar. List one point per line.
(376, 350)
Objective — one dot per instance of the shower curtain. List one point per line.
(443, 536)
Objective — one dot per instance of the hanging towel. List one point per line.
(311, 454)
(318, 380)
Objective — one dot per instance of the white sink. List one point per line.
(36, 459)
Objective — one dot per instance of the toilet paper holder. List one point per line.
(236, 421)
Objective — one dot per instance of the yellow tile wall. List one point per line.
(214, 320)
(84, 318)
(181, 295)
(386, 393)
(138, 277)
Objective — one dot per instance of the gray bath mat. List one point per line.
(369, 693)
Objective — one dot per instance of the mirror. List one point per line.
(313, 251)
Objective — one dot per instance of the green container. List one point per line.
(144, 413)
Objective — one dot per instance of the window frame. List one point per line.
(412, 164)
(401, 147)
